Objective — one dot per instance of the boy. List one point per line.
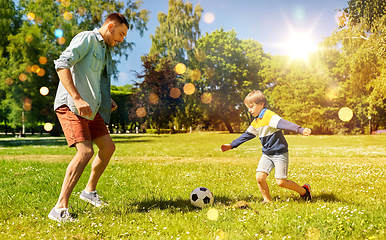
(267, 125)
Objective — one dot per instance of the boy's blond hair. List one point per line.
(256, 97)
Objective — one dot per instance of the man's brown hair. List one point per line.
(117, 17)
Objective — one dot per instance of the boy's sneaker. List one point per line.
(307, 196)
(92, 198)
(61, 215)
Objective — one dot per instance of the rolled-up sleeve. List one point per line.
(77, 49)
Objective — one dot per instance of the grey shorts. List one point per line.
(269, 162)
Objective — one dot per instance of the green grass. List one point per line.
(150, 177)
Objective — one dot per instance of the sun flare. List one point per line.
(300, 46)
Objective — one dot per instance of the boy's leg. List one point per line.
(291, 185)
(261, 178)
(263, 169)
(281, 164)
(74, 171)
(106, 149)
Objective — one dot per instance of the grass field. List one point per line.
(150, 177)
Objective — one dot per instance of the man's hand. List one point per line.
(226, 147)
(113, 105)
(83, 107)
(307, 132)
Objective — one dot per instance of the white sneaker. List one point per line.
(92, 198)
(61, 215)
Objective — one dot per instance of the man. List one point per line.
(83, 105)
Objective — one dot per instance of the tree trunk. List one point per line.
(228, 126)
(6, 127)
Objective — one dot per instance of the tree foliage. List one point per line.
(229, 68)
(178, 31)
(37, 38)
(361, 68)
(154, 92)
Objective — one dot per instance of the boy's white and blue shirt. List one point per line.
(268, 127)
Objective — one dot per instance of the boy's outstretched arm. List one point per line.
(226, 147)
(243, 138)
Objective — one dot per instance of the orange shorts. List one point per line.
(78, 129)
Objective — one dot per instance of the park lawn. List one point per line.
(148, 182)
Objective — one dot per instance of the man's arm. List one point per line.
(65, 78)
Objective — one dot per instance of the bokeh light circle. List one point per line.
(175, 92)
(345, 114)
(48, 126)
(61, 40)
(31, 16)
(208, 17)
(28, 69)
(313, 234)
(35, 68)
(340, 18)
(9, 81)
(58, 33)
(200, 56)
(180, 68)
(22, 77)
(189, 89)
(153, 98)
(82, 11)
(38, 20)
(187, 43)
(66, 3)
(41, 72)
(27, 106)
(220, 235)
(206, 98)
(209, 73)
(67, 15)
(212, 214)
(29, 38)
(44, 90)
(195, 74)
(141, 112)
(43, 60)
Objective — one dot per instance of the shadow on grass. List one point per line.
(173, 205)
(30, 142)
(55, 141)
(134, 138)
(326, 197)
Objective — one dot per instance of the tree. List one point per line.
(364, 13)
(38, 37)
(158, 93)
(178, 31)
(296, 90)
(175, 38)
(229, 68)
(362, 48)
(10, 21)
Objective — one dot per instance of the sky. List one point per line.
(273, 23)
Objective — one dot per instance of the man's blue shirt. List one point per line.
(86, 57)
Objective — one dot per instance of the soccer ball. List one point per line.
(201, 197)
